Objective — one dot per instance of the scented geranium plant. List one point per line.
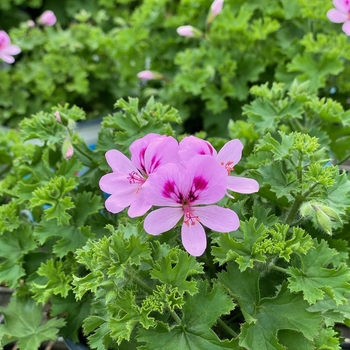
(159, 240)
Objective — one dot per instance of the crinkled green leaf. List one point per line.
(316, 277)
(175, 270)
(241, 250)
(195, 329)
(57, 276)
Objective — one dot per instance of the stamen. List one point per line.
(189, 217)
(228, 166)
(135, 178)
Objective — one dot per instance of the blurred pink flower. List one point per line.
(186, 191)
(185, 31)
(341, 14)
(229, 155)
(146, 75)
(47, 18)
(126, 182)
(216, 7)
(7, 50)
(57, 116)
(30, 23)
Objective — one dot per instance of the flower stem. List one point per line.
(293, 210)
(227, 328)
(278, 268)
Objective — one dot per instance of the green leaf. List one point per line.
(273, 175)
(24, 323)
(284, 311)
(75, 313)
(195, 329)
(241, 250)
(292, 340)
(338, 195)
(175, 268)
(58, 280)
(316, 277)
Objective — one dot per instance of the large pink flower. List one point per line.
(229, 155)
(341, 14)
(184, 190)
(6, 49)
(126, 181)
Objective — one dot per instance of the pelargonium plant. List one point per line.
(159, 240)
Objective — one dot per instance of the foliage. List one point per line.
(272, 74)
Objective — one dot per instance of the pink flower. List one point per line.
(47, 18)
(341, 14)
(30, 23)
(229, 155)
(125, 183)
(6, 49)
(216, 7)
(185, 191)
(146, 75)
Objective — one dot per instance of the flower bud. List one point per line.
(47, 18)
(216, 7)
(57, 116)
(320, 214)
(146, 75)
(67, 149)
(189, 31)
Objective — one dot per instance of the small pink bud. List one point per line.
(58, 117)
(216, 7)
(69, 152)
(48, 18)
(186, 31)
(30, 23)
(146, 75)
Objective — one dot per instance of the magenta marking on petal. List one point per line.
(155, 162)
(199, 184)
(170, 190)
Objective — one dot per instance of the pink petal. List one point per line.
(341, 5)
(346, 27)
(185, 31)
(230, 152)
(336, 16)
(192, 146)
(242, 184)
(138, 149)
(115, 204)
(139, 206)
(217, 218)
(163, 187)
(162, 220)
(145, 75)
(208, 180)
(194, 239)
(159, 152)
(117, 183)
(11, 50)
(6, 58)
(119, 162)
(4, 39)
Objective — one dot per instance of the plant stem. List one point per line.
(343, 160)
(227, 328)
(277, 268)
(294, 210)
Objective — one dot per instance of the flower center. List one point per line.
(228, 166)
(136, 178)
(189, 217)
